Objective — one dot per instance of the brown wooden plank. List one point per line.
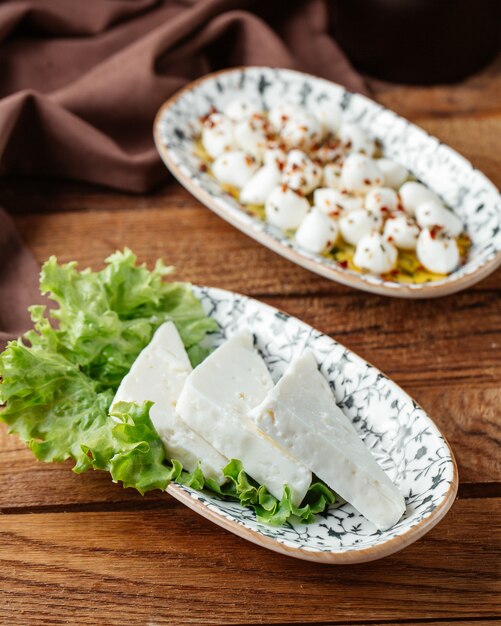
(173, 567)
(190, 237)
(468, 418)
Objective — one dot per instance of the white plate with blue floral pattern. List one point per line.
(400, 435)
(472, 196)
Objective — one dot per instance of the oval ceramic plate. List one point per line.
(400, 435)
(468, 191)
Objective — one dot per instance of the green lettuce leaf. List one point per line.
(58, 381)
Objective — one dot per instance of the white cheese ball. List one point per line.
(328, 114)
(402, 231)
(328, 152)
(218, 134)
(241, 108)
(355, 139)
(234, 168)
(257, 189)
(283, 113)
(375, 254)
(394, 174)
(360, 173)
(334, 202)
(332, 175)
(431, 213)
(317, 232)
(302, 131)
(275, 156)
(437, 252)
(285, 208)
(413, 194)
(381, 200)
(300, 173)
(251, 135)
(357, 224)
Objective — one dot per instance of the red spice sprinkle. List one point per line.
(384, 209)
(202, 167)
(344, 192)
(280, 165)
(390, 238)
(367, 181)
(249, 159)
(394, 272)
(284, 187)
(284, 118)
(343, 264)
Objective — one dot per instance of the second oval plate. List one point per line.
(400, 435)
(460, 185)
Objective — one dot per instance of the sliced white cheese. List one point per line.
(158, 375)
(215, 402)
(300, 414)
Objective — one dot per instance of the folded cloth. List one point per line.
(81, 82)
(18, 282)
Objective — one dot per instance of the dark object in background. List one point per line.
(418, 41)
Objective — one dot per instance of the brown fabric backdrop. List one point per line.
(81, 81)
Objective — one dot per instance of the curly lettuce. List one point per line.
(58, 381)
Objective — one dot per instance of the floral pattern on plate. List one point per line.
(400, 435)
(474, 198)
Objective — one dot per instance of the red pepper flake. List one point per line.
(390, 238)
(343, 264)
(284, 187)
(367, 181)
(394, 272)
(434, 231)
(384, 209)
(280, 165)
(344, 192)
(284, 118)
(202, 167)
(294, 167)
(249, 159)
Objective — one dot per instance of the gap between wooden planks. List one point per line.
(170, 566)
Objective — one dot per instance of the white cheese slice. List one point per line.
(301, 415)
(215, 402)
(158, 375)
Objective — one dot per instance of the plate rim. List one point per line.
(400, 290)
(355, 555)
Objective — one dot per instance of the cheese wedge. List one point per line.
(215, 402)
(301, 415)
(158, 375)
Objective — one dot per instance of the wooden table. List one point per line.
(80, 550)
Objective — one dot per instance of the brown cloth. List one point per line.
(81, 81)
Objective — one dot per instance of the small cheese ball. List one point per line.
(332, 175)
(402, 231)
(328, 114)
(283, 113)
(360, 173)
(317, 232)
(437, 252)
(429, 214)
(394, 174)
(357, 224)
(234, 168)
(301, 131)
(334, 202)
(356, 139)
(218, 134)
(275, 156)
(413, 194)
(257, 189)
(381, 200)
(241, 108)
(285, 208)
(300, 173)
(328, 152)
(251, 135)
(375, 254)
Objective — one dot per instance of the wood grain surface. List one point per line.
(81, 550)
